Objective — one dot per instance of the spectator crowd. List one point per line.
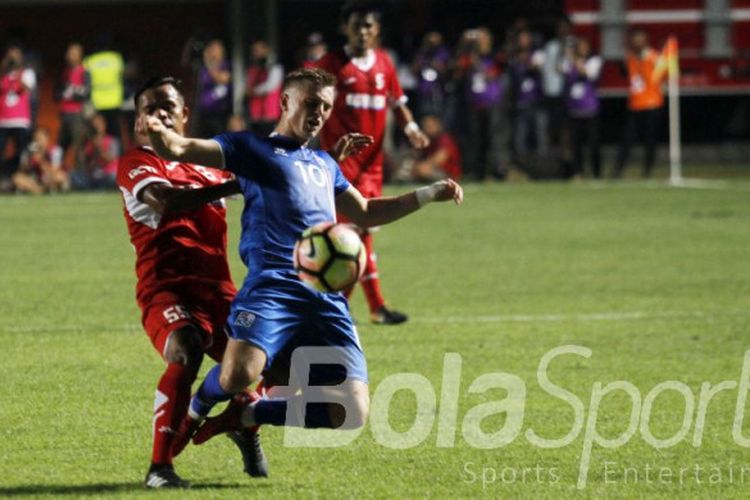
(518, 107)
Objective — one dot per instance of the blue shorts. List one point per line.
(280, 316)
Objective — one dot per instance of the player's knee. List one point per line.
(356, 412)
(357, 416)
(235, 377)
(362, 411)
(185, 347)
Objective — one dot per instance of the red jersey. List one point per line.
(177, 250)
(366, 86)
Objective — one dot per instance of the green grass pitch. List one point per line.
(653, 280)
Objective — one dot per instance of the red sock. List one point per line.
(370, 280)
(170, 406)
(262, 387)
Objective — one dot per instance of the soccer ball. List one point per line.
(329, 257)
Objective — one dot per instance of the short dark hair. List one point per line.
(316, 76)
(361, 7)
(157, 81)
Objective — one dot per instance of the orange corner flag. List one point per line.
(669, 60)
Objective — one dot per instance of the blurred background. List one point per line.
(534, 89)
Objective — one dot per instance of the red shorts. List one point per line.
(368, 179)
(370, 185)
(206, 309)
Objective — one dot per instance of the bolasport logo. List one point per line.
(439, 410)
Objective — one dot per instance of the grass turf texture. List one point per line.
(515, 272)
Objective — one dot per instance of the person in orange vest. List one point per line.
(645, 101)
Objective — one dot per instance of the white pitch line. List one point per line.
(711, 184)
(556, 318)
(490, 318)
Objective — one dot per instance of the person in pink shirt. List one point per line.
(71, 94)
(17, 83)
(263, 88)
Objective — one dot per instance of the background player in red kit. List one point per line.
(176, 220)
(367, 85)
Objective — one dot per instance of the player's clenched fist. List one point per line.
(154, 125)
(145, 124)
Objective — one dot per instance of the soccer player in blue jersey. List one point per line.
(287, 188)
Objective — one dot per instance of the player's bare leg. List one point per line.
(241, 367)
(183, 354)
(274, 412)
(247, 440)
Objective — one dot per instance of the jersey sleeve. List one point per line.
(240, 152)
(340, 183)
(136, 170)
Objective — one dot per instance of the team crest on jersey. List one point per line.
(244, 319)
(280, 151)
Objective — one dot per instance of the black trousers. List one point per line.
(646, 125)
(486, 137)
(22, 137)
(585, 132)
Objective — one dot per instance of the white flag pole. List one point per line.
(675, 148)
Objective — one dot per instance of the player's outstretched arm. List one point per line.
(163, 198)
(379, 211)
(172, 146)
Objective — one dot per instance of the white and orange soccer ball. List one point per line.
(329, 257)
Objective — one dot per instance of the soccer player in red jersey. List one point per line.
(367, 85)
(176, 219)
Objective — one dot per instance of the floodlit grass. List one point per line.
(653, 280)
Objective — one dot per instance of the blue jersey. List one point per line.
(287, 188)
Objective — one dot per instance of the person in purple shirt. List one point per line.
(482, 75)
(531, 121)
(430, 67)
(581, 70)
(214, 91)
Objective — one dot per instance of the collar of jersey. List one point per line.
(364, 63)
(288, 142)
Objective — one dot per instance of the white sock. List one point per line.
(248, 415)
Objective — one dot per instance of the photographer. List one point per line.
(40, 168)
(71, 93)
(16, 85)
(581, 72)
(98, 165)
